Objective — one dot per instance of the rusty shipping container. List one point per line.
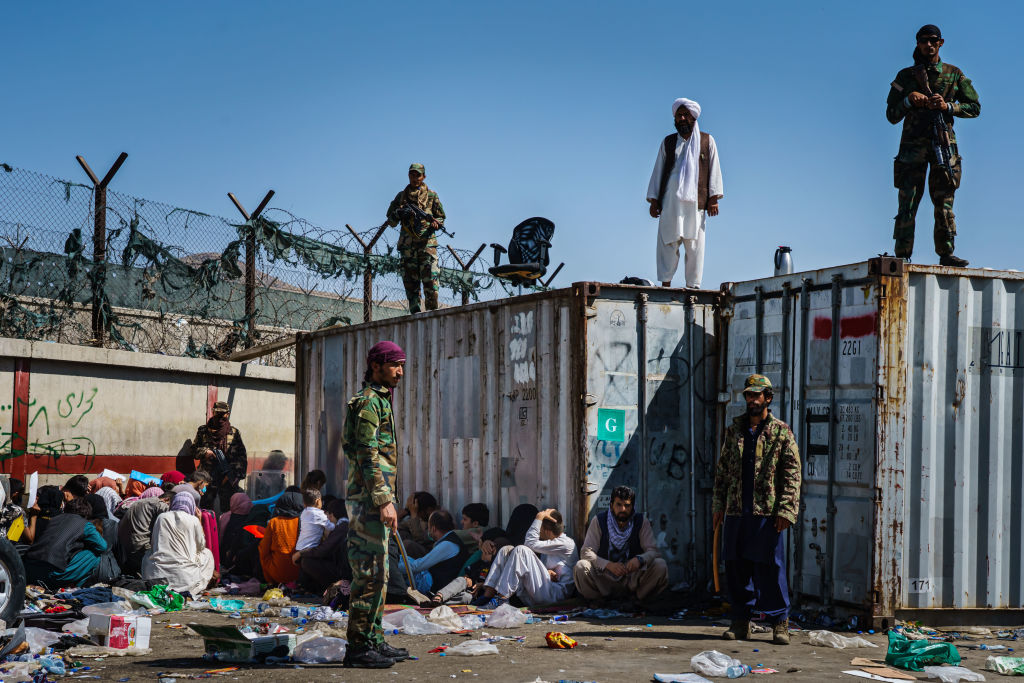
(904, 385)
(534, 399)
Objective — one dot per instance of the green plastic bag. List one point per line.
(913, 655)
(161, 596)
(1008, 666)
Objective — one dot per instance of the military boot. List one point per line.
(365, 657)
(399, 654)
(953, 261)
(780, 633)
(738, 630)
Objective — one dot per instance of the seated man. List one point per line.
(412, 523)
(620, 558)
(446, 558)
(470, 582)
(539, 571)
(135, 530)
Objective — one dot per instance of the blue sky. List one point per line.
(521, 109)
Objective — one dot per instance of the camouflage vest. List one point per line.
(371, 447)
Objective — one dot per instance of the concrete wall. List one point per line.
(68, 409)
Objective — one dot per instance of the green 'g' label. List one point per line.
(611, 424)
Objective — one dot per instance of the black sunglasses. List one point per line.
(929, 39)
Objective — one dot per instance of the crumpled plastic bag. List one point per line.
(830, 639)
(80, 626)
(712, 663)
(445, 616)
(160, 596)
(109, 608)
(227, 605)
(272, 593)
(39, 639)
(320, 650)
(102, 651)
(472, 648)
(680, 678)
(506, 616)
(1008, 666)
(952, 674)
(412, 623)
(912, 655)
(471, 622)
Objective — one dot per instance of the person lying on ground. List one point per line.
(327, 563)
(619, 558)
(135, 530)
(313, 522)
(68, 551)
(278, 543)
(539, 572)
(412, 524)
(446, 558)
(179, 554)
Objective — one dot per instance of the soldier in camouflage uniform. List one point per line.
(371, 448)
(954, 96)
(757, 494)
(418, 241)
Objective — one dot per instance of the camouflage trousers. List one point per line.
(909, 171)
(368, 559)
(420, 266)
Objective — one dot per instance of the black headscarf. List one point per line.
(289, 505)
(519, 522)
(50, 500)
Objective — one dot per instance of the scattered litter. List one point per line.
(320, 650)
(764, 670)
(445, 616)
(830, 639)
(864, 674)
(604, 613)
(101, 651)
(680, 678)
(412, 623)
(121, 632)
(1010, 666)
(559, 641)
(39, 639)
(914, 654)
(888, 672)
(713, 663)
(230, 644)
(952, 674)
(472, 648)
(506, 616)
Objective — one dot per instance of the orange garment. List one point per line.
(276, 548)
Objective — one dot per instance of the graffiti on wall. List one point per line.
(54, 429)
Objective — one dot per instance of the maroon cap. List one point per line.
(385, 352)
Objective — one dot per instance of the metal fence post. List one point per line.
(250, 263)
(465, 266)
(367, 272)
(99, 242)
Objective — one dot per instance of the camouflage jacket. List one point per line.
(777, 471)
(944, 79)
(235, 465)
(371, 447)
(416, 233)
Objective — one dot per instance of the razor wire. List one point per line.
(173, 278)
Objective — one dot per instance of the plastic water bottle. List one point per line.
(737, 671)
(783, 260)
(53, 663)
(260, 607)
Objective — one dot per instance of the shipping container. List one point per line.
(536, 399)
(904, 385)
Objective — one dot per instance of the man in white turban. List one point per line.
(684, 190)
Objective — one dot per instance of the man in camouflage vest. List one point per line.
(917, 92)
(219, 451)
(418, 241)
(757, 494)
(371, 448)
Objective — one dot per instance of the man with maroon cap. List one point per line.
(371, 447)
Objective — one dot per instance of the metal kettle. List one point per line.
(783, 260)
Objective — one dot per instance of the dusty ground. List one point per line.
(607, 652)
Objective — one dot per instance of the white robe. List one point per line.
(521, 571)
(682, 224)
(179, 553)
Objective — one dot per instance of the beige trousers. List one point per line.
(596, 584)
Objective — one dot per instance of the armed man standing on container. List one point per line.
(421, 215)
(757, 494)
(926, 97)
(371, 447)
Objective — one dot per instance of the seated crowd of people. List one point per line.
(107, 531)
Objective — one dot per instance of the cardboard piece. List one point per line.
(229, 644)
(121, 631)
(864, 674)
(864, 661)
(890, 672)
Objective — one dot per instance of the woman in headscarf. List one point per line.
(49, 502)
(278, 542)
(108, 569)
(179, 553)
(132, 493)
(174, 477)
(68, 553)
(110, 499)
(239, 553)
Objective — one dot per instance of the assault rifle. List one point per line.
(940, 129)
(409, 210)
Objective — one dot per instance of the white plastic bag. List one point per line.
(829, 639)
(393, 621)
(445, 616)
(108, 608)
(39, 639)
(952, 674)
(712, 663)
(417, 625)
(680, 678)
(472, 648)
(321, 650)
(80, 626)
(471, 622)
(1008, 666)
(507, 616)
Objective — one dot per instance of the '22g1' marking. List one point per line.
(852, 347)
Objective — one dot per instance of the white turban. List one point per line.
(689, 169)
(690, 105)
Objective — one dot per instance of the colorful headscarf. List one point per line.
(152, 492)
(102, 482)
(183, 502)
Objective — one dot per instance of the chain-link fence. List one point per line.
(172, 280)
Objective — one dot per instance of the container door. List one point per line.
(818, 346)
